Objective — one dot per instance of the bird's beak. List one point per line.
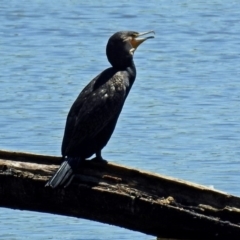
(135, 41)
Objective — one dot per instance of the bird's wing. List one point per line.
(73, 116)
(92, 111)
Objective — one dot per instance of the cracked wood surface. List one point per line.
(109, 193)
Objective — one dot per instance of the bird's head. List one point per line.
(121, 47)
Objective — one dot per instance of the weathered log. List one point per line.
(109, 193)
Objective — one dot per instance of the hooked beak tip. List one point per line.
(137, 41)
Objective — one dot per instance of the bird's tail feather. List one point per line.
(64, 174)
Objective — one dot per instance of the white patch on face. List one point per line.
(132, 51)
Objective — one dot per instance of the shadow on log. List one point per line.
(109, 193)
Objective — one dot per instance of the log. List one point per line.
(109, 193)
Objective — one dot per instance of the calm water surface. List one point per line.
(181, 118)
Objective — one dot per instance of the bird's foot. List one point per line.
(99, 160)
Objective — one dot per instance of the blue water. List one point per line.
(181, 118)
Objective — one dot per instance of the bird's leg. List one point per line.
(99, 158)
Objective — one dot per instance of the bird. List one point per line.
(94, 114)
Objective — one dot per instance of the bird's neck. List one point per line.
(132, 72)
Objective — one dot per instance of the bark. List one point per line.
(130, 198)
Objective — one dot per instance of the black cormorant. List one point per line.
(93, 116)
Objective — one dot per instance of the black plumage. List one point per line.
(93, 116)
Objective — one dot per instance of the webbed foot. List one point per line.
(99, 160)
